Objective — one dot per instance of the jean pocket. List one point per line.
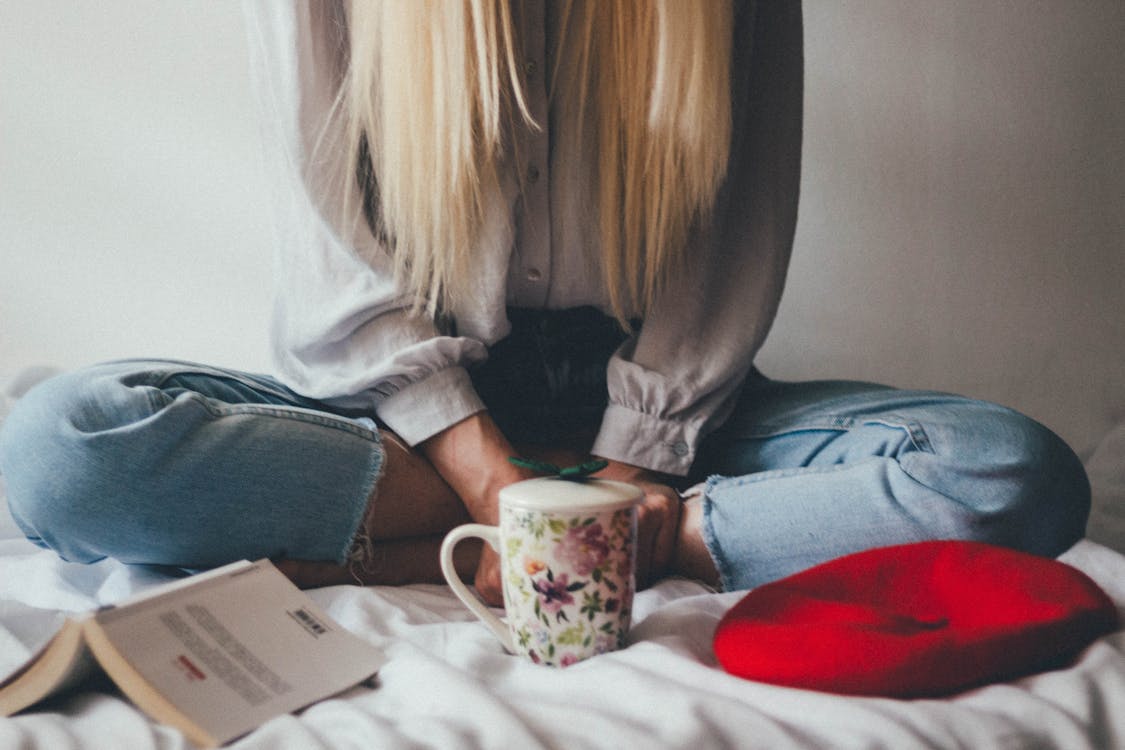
(912, 428)
(827, 424)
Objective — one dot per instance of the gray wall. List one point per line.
(962, 224)
(963, 217)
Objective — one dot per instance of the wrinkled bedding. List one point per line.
(448, 683)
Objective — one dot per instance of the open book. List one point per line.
(214, 655)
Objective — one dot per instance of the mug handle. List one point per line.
(490, 534)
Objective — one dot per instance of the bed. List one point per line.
(963, 168)
(448, 683)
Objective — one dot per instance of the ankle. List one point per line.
(691, 558)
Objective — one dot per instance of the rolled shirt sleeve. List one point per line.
(679, 378)
(342, 331)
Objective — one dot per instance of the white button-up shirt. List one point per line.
(342, 331)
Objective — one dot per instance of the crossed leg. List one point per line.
(413, 509)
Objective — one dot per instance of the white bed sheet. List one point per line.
(448, 684)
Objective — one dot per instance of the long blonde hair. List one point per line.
(433, 89)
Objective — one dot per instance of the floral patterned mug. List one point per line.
(567, 556)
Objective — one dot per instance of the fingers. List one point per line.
(487, 581)
(658, 520)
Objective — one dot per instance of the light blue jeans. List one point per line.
(178, 464)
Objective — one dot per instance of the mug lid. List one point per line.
(557, 493)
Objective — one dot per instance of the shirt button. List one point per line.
(532, 173)
(681, 449)
(530, 67)
(534, 274)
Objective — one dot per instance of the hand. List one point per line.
(658, 519)
(487, 580)
(472, 457)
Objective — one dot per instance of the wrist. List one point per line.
(472, 458)
(625, 472)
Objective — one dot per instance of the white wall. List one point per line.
(962, 225)
(131, 214)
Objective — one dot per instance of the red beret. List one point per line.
(914, 620)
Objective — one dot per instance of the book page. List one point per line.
(24, 634)
(61, 664)
(237, 651)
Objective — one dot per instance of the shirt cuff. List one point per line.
(633, 437)
(422, 409)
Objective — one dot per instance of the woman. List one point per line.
(557, 230)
